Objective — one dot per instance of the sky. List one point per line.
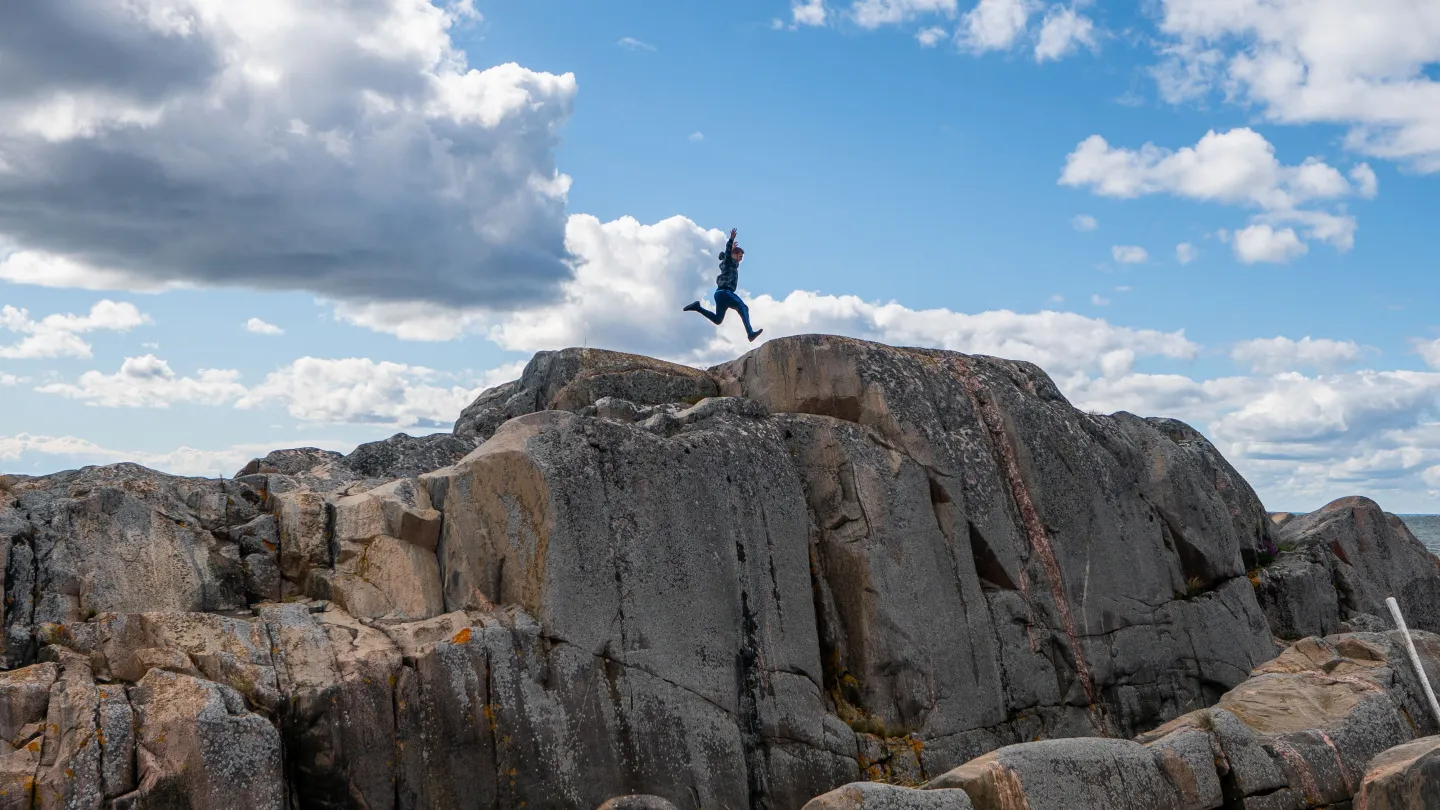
(229, 228)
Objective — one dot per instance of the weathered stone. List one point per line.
(200, 748)
(305, 533)
(1373, 556)
(1063, 774)
(637, 802)
(572, 379)
(1188, 759)
(121, 538)
(389, 578)
(404, 456)
(1406, 777)
(289, 462)
(876, 796)
(400, 509)
(1297, 594)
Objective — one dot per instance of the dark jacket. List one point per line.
(729, 269)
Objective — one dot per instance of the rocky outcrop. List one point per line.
(1407, 777)
(1300, 733)
(1337, 565)
(574, 379)
(829, 561)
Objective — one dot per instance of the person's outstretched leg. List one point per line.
(714, 317)
(724, 299)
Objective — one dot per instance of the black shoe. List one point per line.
(694, 307)
(755, 334)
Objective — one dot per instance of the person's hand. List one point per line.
(733, 231)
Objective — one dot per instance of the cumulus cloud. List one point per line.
(260, 327)
(626, 267)
(1130, 254)
(1064, 31)
(149, 382)
(1099, 300)
(1429, 351)
(59, 335)
(337, 391)
(1272, 355)
(1262, 243)
(696, 137)
(1322, 61)
(808, 12)
(1186, 253)
(1302, 439)
(996, 25)
(1238, 167)
(360, 390)
(875, 13)
(341, 147)
(1084, 222)
(930, 37)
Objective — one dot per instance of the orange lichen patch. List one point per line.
(33, 747)
(462, 637)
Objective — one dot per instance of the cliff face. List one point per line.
(827, 561)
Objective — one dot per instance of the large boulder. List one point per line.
(573, 379)
(880, 796)
(1343, 561)
(1406, 777)
(119, 538)
(1300, 733)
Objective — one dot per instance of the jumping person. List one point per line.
(725, 297)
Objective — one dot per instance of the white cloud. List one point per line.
(1063, 31)
(149, 382)
(1322, 61)
(360, 390)
(1302, 440)
(1099, 300)
(59, 335)
(1431, 477)
(696, 137)
(875, 13)
(1084, 222)
(1237, 167)
(1429, 351)
(346, 148)
(182, 460)
(42, 269)
(625, 267)
(929, 37)
(995, 25)
(1130, 254)
(1262, 243)
(808, 12)
(630, 43)
(1366, 184)
(10, 379)
(1273, 355)
(260, 327)
(1186, 253)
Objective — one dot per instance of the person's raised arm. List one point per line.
(729, 246)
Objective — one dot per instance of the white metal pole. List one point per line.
(1414, 656)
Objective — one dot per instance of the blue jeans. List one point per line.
(726, 300)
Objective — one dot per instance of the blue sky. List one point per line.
(415, 198)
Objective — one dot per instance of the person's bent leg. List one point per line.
(744, 311)
(724, 302)
(713, 317)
